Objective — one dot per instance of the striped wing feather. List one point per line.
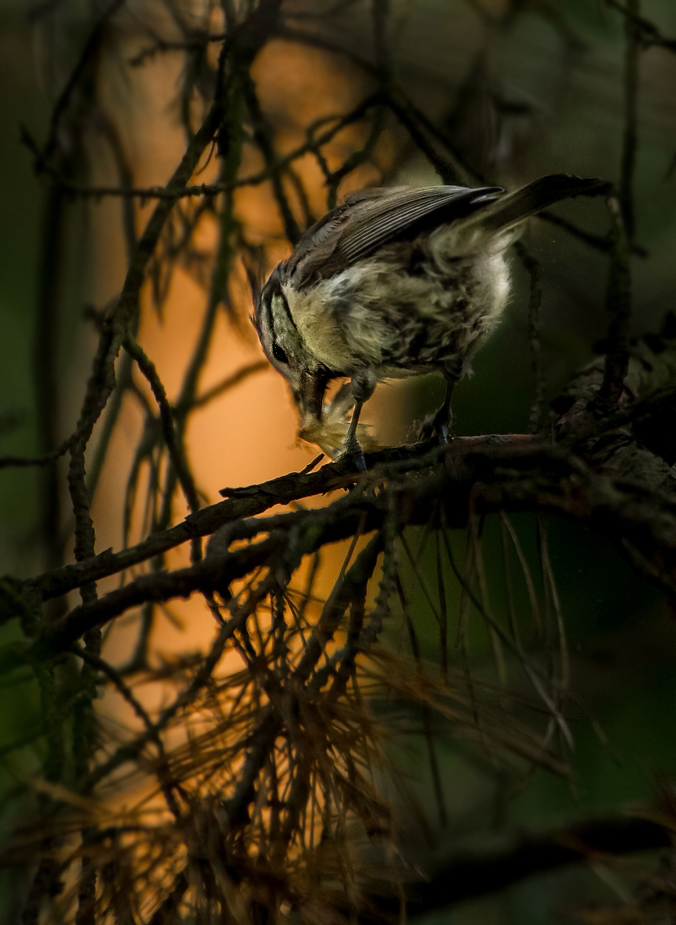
(374, 217)
(375, 223)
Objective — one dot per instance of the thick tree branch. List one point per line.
(500, 862)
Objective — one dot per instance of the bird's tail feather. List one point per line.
(510, 210)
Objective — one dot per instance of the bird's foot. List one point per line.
(354, 455)
(355, 458)
(443, 432)
(436, 425)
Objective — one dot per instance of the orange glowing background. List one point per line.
(248, 433)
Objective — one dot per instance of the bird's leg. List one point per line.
(444, 416)
(363, 386)
(352, 447)
(440, 422)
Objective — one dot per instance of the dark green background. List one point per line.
(622, 636)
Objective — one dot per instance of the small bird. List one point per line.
(395, 282)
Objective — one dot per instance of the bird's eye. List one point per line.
(279, 354)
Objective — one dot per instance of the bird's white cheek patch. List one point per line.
(283, 328)
(312, 315)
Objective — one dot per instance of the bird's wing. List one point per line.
(374, 217)
(373, 223)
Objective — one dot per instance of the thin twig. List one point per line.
(534, 341)
(174, 446)
(630, 134)
(619, 308)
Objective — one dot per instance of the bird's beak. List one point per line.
(309, 395)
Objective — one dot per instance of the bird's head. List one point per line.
(285, 349)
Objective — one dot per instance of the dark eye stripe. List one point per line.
(266, 320)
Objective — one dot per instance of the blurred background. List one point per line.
(519, 89)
